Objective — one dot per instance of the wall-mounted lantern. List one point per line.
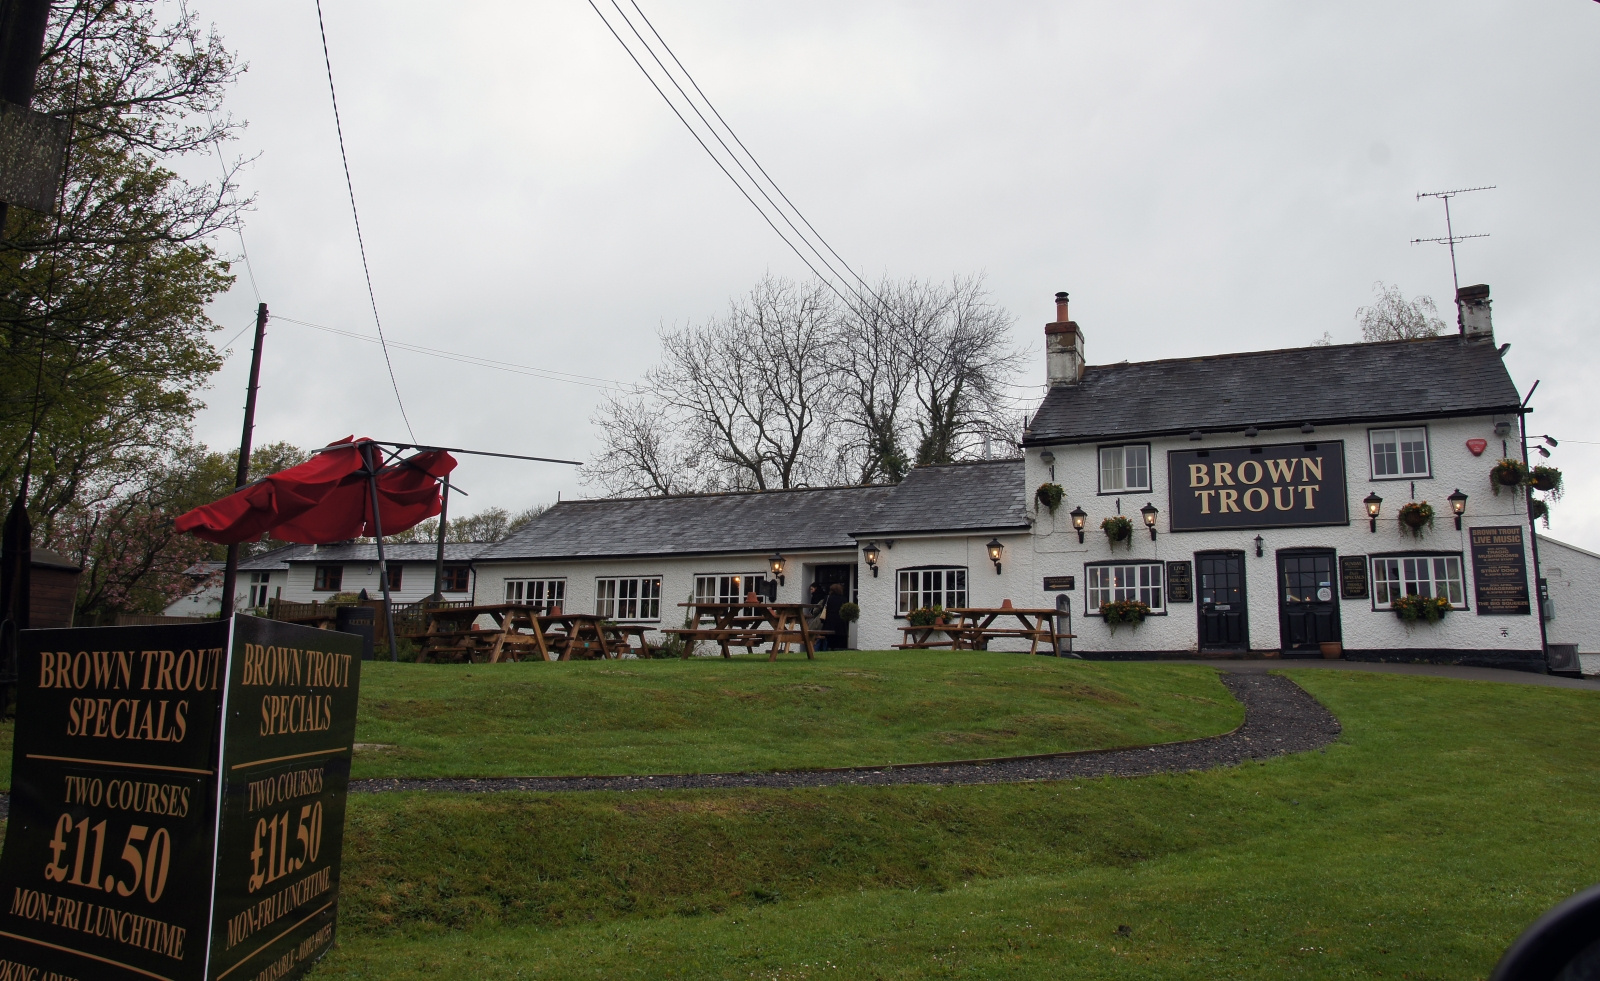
(1458, 504)
(871, 554)
(1079, 516)
(1150, 511)
(1259, 542)
(776, 565)
(1049, 459)
(1374, 504)
(1252, 432)
(995, 551)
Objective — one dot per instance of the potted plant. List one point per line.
(922, 616)
(1508, 473)
(1118, 528)
(850, 612)
(938, 616)
(1049, 495)
(1119, 612)
(1414, 515)
(1547, 479)
(1411, 609)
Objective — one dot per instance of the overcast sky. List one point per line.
(1202, 178)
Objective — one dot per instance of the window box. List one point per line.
(1424, 574)
(328, 579)
(1399, 454)
(1124, 468)
(944, 586)
(1125, 582)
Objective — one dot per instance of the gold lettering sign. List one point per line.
(1274, 486)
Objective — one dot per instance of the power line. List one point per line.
(372, 295)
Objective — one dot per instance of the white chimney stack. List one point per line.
(1063, 347)
(1472, 303)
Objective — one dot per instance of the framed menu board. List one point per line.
(1180, 582)
(1500, 571)
(1353, 577)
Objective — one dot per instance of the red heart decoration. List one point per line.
(1477, 446)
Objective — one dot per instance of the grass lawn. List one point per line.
(845, 708)
(1448, 816)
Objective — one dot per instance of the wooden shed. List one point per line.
(53, 589)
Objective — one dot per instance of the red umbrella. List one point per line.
(326, 499)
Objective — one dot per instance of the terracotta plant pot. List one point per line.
(1005, 604)
(555, 610)
(1333, 650)
(751, 598)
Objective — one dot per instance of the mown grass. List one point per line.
(1417, 846)
(845, 708)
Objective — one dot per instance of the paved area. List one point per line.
(1261, 666)
(1279, 718)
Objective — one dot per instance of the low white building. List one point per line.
(308, 573)
(1572, 606)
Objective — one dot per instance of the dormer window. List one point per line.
(1124, 468)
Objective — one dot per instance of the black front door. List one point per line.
(1308, 610)
(1223, 626)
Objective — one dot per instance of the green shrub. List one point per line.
(850, 612)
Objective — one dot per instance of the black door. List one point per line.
(1223, 626)
(1308, 610)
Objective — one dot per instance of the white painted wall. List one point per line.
(416, 582)
(1573, 577)
(1017, 580)
(1057, 551)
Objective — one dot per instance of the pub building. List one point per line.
(1263, 492)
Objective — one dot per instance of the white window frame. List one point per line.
(1119, 452)
(543, 592)
(260, 582)
(1418, 574)
(1402, 456)
(719, 587)
(628, 598)
(1107, 582)
(944, 586)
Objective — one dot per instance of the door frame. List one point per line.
(1244, 593)
(1277, 585)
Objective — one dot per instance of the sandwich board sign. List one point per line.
(177, 801)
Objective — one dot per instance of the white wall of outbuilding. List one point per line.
(1572, 575)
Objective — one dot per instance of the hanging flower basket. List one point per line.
(1547, 479)
(1118, 528)
(1416, 515)
(1539, 510)
(1508, 473)
(1411, 609)
(1049, 496)
(1124, 612)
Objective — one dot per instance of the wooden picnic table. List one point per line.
(749, 625)
(921, 637)
(524, 632)
(1036, 624)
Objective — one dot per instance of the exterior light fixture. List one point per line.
(871, 554)
(1307, 428)
(776, 564)
(1458, 504)
(1374, 504)
(1079, 516)
(1551, 440)
(1197, 435)
(1543, 452)
(1049, 459)
(995, 551)
(1150, 511)
(1502, 429)
(1259, 542)
(1252, 432)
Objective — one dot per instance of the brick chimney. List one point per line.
(1472, 303)
(1063, 347)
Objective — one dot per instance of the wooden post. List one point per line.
(368, 454)
(230, 572)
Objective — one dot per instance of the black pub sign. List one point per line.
(177, 801)
(1500, 571)
(1281, 486)
(1180, 582)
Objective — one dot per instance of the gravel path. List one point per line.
(1279, 718)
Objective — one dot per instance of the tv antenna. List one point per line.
(1450, 237)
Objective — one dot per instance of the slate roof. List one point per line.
(757, 521)
(1388, 381)
(983, 495)
(277, 559)
(400, 552)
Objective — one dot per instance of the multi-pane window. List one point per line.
(543, 593)
(1124, 468)
(394, 577)
(457, 578)
(1399, 452)
(1417, 575)
(628, 599)
(733, 588)
(329, 578)
(258, 588)
(1128, 581)
(931, 587)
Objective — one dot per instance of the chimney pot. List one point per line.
(1472, 304)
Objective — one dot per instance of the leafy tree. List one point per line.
(1394, 318)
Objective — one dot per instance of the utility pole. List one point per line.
(230, 572)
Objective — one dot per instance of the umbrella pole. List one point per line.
(438, 561)
(383, 564)
(230, 571)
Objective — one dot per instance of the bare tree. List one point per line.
(961, 367)
(642, 450)
(1394, 318)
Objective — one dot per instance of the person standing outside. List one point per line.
(836, 633)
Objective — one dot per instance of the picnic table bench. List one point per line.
(974, 627)
(523, 632)
(748, 625)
